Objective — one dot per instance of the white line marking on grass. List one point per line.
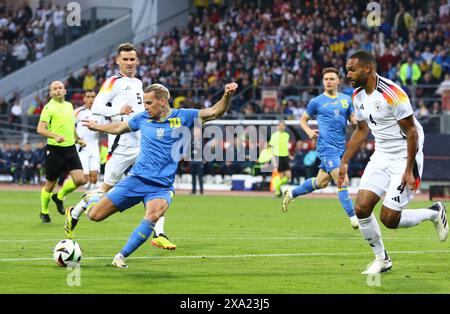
(234, 256)
(222, 238)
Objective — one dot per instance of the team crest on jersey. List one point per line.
(337, 113)
(159, 132)
(344, 103)
(377, 106)
(128, 87)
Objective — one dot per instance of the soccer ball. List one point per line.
(66, 252)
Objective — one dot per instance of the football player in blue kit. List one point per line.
(332, 111)
(151, 178)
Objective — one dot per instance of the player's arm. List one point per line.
(78, 139)
(42, 130)
(353, 121)
(221, 106)
(358, 136)
(115, 128)
(105, 97)
(409, 129)
(312, 134)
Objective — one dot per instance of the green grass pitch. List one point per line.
(226, 244)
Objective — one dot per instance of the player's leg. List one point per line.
(114, 168)
(84, 158)
(370, 229)
(46, 194)
(73, 166)
(101, 209)
(311, 184)
(160, 239)
(76, 178)
(156, 204)
(93, 178)
(285, 174)
(54, 166)
(345, 199)
(393, 215)
(374, 183)
(285, 177)
(94, 168)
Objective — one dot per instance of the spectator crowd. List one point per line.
(267, 43)
(28, 35)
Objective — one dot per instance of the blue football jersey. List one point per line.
(332, 115)
(161, 144)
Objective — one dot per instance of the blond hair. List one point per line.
(160, 91)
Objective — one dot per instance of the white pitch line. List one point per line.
(218, 238)
(235, 256)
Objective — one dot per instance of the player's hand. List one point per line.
(81, 142)
(409, 181)
(230, 89)
(59, 139)
(342, 174)
(313, 134)
(90, 124)
(126, 109)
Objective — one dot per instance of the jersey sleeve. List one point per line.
(311, 108)
(133, 123)
(46, 115)
(189, 116)
(78, 115)
(358, 114)
(103, 98)
(401, 106)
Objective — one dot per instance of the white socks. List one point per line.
(370, 229)
(159, 226)
(79, 209)
(412, 217)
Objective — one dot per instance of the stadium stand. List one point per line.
(27, 36)
(277, 49)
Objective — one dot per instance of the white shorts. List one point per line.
(121, 159)
(90, 161)
(383, 175)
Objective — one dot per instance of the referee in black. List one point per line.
(57, 124)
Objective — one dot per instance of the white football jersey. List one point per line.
(387, 104)
(117, 91)
(90, 137)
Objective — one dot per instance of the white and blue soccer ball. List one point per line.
(67, 252)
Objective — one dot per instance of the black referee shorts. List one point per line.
(61, 160)
(283, 164)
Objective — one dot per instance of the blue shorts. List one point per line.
(330, 162)
(132, 190)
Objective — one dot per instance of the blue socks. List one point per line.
(307, 187)
(346, 201)
(138, 237)
(310, 185)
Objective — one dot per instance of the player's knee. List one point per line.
(362, 210)
(155, 214)
(80, 181)
(95, 215)
(94, 178)
(389, 220)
